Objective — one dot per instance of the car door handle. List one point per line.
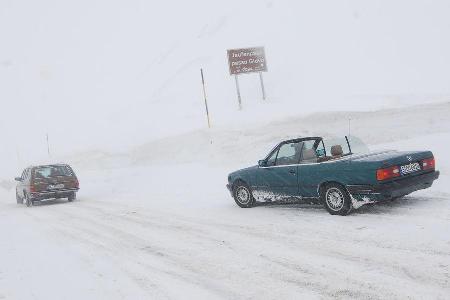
(292, 171)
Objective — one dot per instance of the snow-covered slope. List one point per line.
(246, 145)
(112, 74)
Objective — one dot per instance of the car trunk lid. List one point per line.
(55, 183)
(392, 157)
(409, 163)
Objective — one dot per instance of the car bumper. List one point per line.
(53, 194)
(393, 189)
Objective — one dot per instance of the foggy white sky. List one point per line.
(108, 74)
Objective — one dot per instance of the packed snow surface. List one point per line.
(150, 224)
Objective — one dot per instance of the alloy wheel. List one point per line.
(335, 199)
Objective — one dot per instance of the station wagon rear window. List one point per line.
(52, 171)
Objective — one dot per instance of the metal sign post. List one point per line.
(204, 95)
(262, 86)
(238, 91)
(247, 60)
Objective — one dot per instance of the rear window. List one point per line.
(52, 171)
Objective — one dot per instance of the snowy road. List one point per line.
(119, 247)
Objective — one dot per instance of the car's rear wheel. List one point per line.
(336, 199)
(396, 198)
(72, 197)
(242, 195)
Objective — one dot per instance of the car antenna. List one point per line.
(348, 142)
(349, 120)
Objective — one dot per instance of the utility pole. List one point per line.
(204, 95)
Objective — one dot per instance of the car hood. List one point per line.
(244, 170)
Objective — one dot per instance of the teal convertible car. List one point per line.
(340, 173)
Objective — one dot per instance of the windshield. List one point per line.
(332, 148)
(314, 150)
(52, 171)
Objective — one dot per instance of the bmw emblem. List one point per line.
(409, 158)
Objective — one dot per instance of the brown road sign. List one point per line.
(247, 60)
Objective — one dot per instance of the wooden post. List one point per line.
(48, 147)
(238, 92)
(262, 85)
(204, 95)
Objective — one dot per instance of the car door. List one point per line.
(280, 177)
(27, 180)
(309, 170)
(21, 184)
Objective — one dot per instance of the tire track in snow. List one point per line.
(323, 288)
(115, 226)
(122, 241)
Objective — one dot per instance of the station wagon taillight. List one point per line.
(386, 173)
(428, 164)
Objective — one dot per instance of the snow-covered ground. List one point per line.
(116, 86)
(158, 222)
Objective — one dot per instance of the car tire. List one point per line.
(72, 197)
(396, 198)
(242, 195)
(18, 199)
(28, 201)
(336, 199)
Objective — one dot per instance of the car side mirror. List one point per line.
(262, 163)
(18, 179)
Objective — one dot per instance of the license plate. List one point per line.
(55, 186)
(413, 167)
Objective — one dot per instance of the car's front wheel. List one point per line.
(336, 199)
(243, 195)
(28, 201)
(18, 199)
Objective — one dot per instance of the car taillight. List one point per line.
(391, 172)
(32, 188)
(428, 164)
(77, 184)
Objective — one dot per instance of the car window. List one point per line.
(24, 174)
(320, 151)
(289, 154)
(309, 154)
(52, 171)
(271, 160)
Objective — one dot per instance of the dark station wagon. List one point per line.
(341, 173)
(46, 182)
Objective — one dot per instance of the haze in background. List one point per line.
(112, 74)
